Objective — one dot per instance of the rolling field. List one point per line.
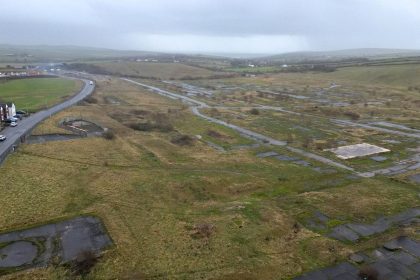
(158, 70)
(184, 210)
(34, 94)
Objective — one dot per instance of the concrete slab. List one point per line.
(302, 163)
(74, 236)
(267, 154)
(414, 167)
(285, 158)
(379, 158)
(415, 178)
(17, 254)
(358, 150)
(343, 233)
(396, 264)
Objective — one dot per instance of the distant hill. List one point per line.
(41, 53)
(372, 53)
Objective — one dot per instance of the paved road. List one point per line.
(197, 105)
(14, 134)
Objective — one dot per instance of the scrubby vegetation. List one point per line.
(184, 198)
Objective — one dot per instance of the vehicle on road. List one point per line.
(12, 119)
(91, 83)
(2, 137)
(20, 112)
(13, 124)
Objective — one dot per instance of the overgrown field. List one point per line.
(175, 207)
(157, 70)
(35, 94)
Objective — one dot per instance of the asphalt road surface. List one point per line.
(24, 127)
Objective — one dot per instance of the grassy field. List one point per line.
(34, 94)
(152, 193)
(155, 70)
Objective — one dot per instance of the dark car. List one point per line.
(20, 112)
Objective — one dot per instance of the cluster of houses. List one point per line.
(29, 73)
(7, 111)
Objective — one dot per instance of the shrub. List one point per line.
(141, 126)
(254, 111)
(183, 140)
(352, 115)
(91, 100)
(204, 230)
(83, 264)
(140, 112)
(216, 134)
(162, 122)
(108, 134)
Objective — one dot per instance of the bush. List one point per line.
(108, 134)
(183, 140)
(216, 134)
(83, 264)
(254, 111)
(203, 230)
(141, 126)
(91, 100)
(352, 115)
(140, 112)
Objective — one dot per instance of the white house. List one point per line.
(11, 109)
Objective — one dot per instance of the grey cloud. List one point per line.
(319, 24)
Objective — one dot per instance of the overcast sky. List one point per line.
(215, 26)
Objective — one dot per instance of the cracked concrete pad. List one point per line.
(415, 178)
(379, 158)
(17, 254)
(358, 150)
(65, 240)
(267, 154)
(285, 158)
(363, 230)
(343, 233)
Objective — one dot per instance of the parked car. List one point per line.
(20, 112)
(18, 116)
(12, 119)
(13, 124)
(2, 137)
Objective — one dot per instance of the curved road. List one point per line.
(25, 126)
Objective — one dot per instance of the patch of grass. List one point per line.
(155, 70)
(34, 94)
